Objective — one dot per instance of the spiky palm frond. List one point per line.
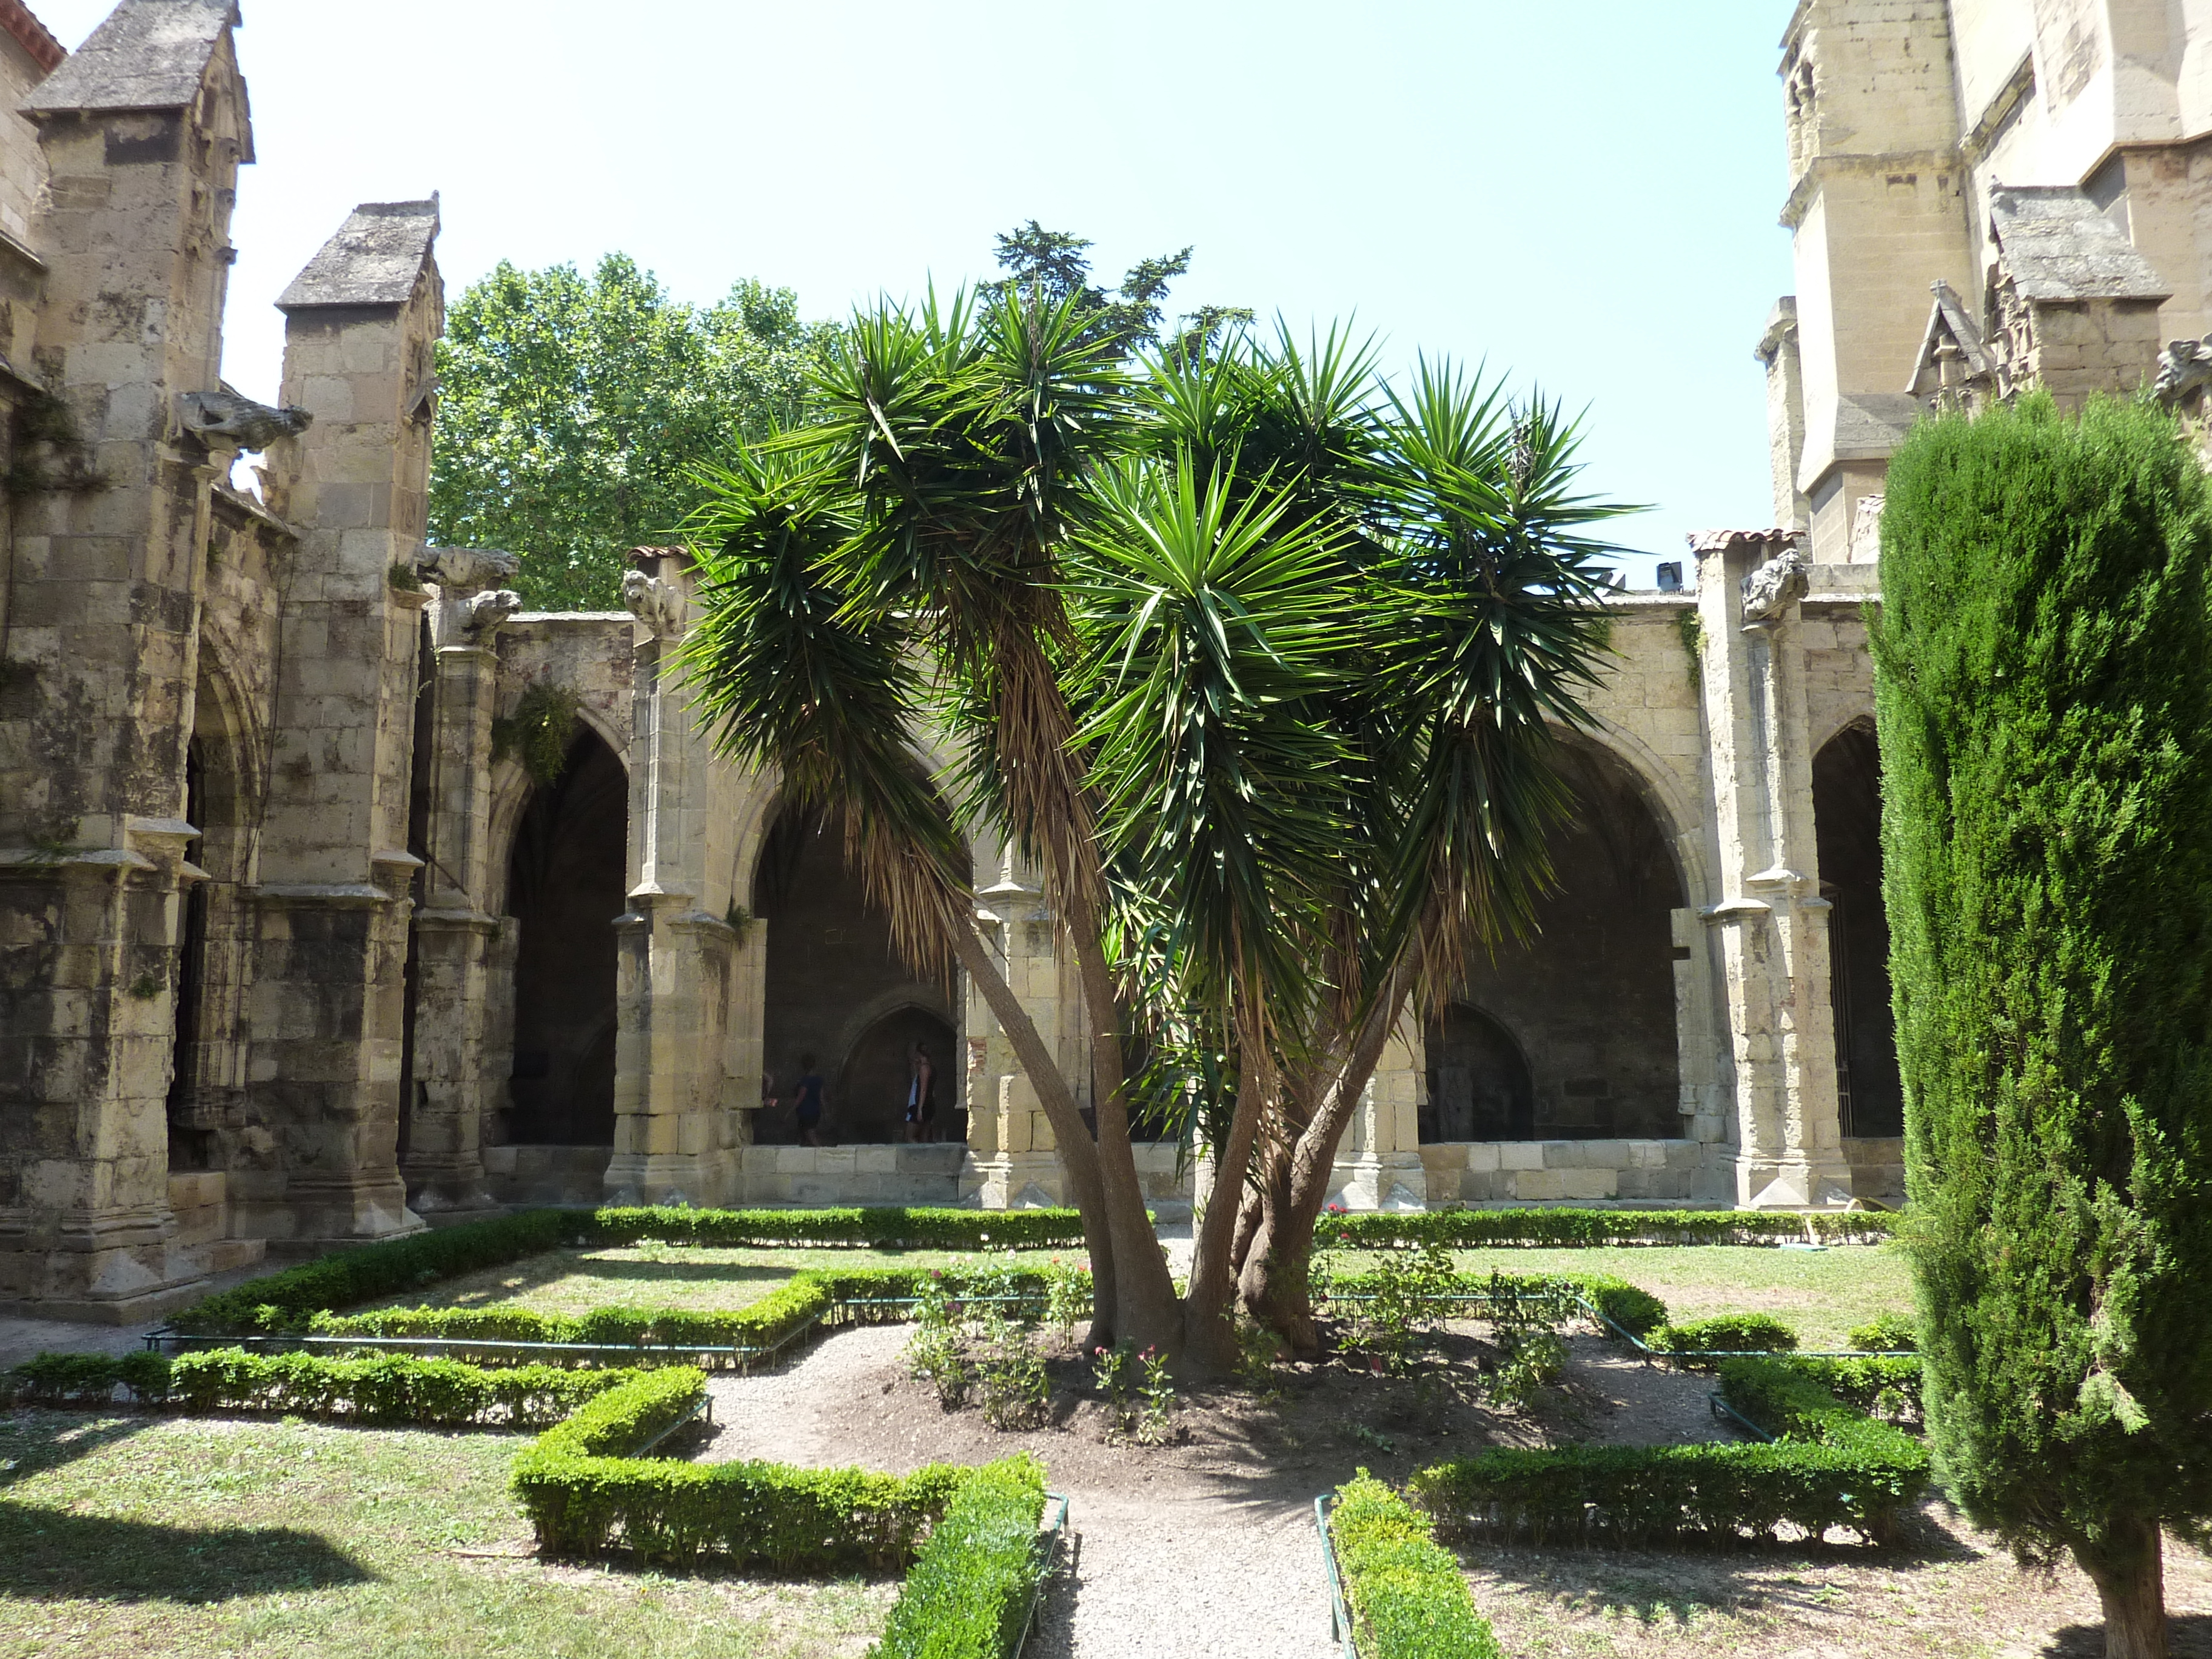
(1208, 634)
(790, 676)
(1500, 630)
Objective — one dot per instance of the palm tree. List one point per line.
(1251, 662)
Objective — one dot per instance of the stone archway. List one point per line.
(872, 1080)
(1847, 830)
(1587, 1004)
(834, 985)
(1480, 1086)
(565, 885)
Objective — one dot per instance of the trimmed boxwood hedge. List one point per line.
(968, 1595)
(1884, 1385)
(1636, 1311)
(1557, 1227)
(1832, 1467)
(1725, 1334)
(389, 1389)
(809, 1295)
(586, 1495)
(1407, 1597)
(290, 1300)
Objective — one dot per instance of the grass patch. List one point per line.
(130, 1535)
(698, 1279)
(1822, 1294)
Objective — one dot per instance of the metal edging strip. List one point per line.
(1055, 1536)
(1339, 1616)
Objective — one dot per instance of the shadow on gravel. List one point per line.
(2187, 1636)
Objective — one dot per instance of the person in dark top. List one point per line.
(921, 1097)
(807, 1102)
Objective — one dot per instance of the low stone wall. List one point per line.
(830, 1176)
(527, 1175)
(1561, 1171)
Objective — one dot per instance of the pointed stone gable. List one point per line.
(149, 54)
(374, 260)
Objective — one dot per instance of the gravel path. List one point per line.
(1168, 1559)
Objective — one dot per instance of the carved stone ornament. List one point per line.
(659, 606)
(2184, 370)
(485, 611)
(226, 420)
(1769, 590)
(458, 570)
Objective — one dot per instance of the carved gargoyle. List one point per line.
(1768, 590)
(2184, 368)
(458, 570)
(226, 420)
(659, 605)
(485, 611)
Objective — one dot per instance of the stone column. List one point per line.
(1012, 1160)
(141, 131)
(1378, 1162)
(328, 1000)
(1773, 921)
(453, 929)
(678, 1129)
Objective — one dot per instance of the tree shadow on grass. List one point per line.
(2188, 1636)
(49, 1555)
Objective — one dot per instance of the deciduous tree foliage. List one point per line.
(572, 410)
(2045, 718)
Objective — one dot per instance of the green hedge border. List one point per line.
(970, 1592)
(1830, 1466)
(288, 1300)
(1550, 1227)
(385, 1390)
(813, 1294)
(1406, 1593)
(585, 1496)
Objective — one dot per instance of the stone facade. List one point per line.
(296, 950)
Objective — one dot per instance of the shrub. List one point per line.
(880, 1227)
(1887, 1334)
(388, 1389)
(792, 1307)
(1886, 1385)
(1407, 1597)
(1558, 1227)
(286, 1301)
(1726, 1333)
(970, 1592)
(1637, 1495)
(1638, 1312)
(2045, 724)
(585, 1495)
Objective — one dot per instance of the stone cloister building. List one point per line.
(293, 952)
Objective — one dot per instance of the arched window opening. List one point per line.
(565, 887)
(1847, 828)
(192, 1142)
(1578, 1017)
(1479, 1083)
(839, 991)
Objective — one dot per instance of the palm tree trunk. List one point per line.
(1077, 1159)
(1145, 1312)
(1209, 1338)
(2130, 1575)
(1275, 1280)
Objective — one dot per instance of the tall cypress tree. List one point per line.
(2044, 682)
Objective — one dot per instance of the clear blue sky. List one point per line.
(1583, 194)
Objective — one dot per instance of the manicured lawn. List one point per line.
(1822, 1293)
(149, 1537)
(674, 1276)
